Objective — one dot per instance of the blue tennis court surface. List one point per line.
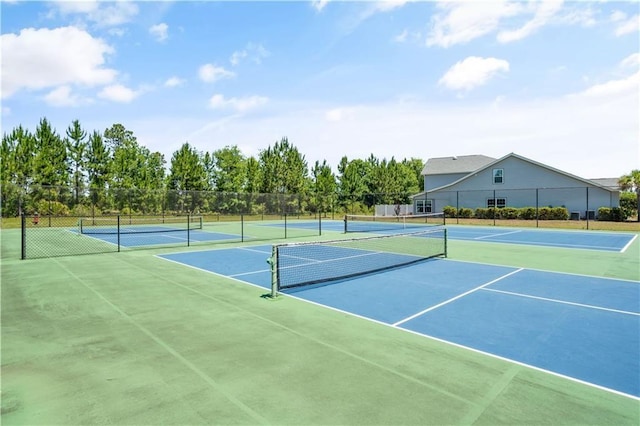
(587, 240)
(148, 238)
(580, 327)
(590, 240)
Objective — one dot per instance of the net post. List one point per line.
(118, 233)
(345, 223)
(274, 271)
(242, 227)
(188, 229)
(445, 243)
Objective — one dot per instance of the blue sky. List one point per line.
(554, 81)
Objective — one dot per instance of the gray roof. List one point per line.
(596, 182)
(607, 182)
(456, 164)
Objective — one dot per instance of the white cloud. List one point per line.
(64, 97)
(118, 93)
(159, 31)
(628, 26)
(472, 72)
(632, 60)
(238, 104)
(388, 5)
(73, 7)
(617, 16)
(210, 73)
(402, 37)
(461, 22)
(255, 52)
(6, 111)
(628, 85)
(544, 11)
(43, 58)
(319, 4)
(102, 14)
(174, 82)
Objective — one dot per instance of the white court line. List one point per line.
(582, 305)
(497, 235)
(254, 250)
(629, 243)
(456, 298)
(242, 274)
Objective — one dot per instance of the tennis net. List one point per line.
(136, 225)
(368, 223)
(301, 264)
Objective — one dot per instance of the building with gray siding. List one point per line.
(478, 181)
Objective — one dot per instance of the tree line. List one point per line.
(111, 171)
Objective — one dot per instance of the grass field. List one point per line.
(128, 338)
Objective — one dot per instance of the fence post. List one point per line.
(587, 209)
(23, 239)
(537, 207)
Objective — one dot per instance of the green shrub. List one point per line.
(611, 214)
(480, 213)
(81, 210)
(527, 213)
(559, 213)
(54, 208)
(465, 212)
(628, 204)
(544, 213)
(508, 213)
(449, 211)
(604, 214)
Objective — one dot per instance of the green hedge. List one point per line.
(613, 214)
(526, 213)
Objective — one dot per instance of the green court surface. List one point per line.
(129, 338)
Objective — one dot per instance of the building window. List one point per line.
(498, 175)
(496, 202)
(423, 206)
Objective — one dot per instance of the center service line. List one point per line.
(456, 298)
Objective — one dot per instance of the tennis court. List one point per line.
(591, 240)
(497, 333)
(160, 237)
(581, 327)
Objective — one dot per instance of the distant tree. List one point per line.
(76, 146)
(17, 154)
(116, 135)
(151, 182)
(415, 165)
(187, 176)
(208, 162)
(284, 169)
(229, 169)
(324, 185)
(254, 176)
(98, 166)
(51, 165)
(353, 182)
(631, 182)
